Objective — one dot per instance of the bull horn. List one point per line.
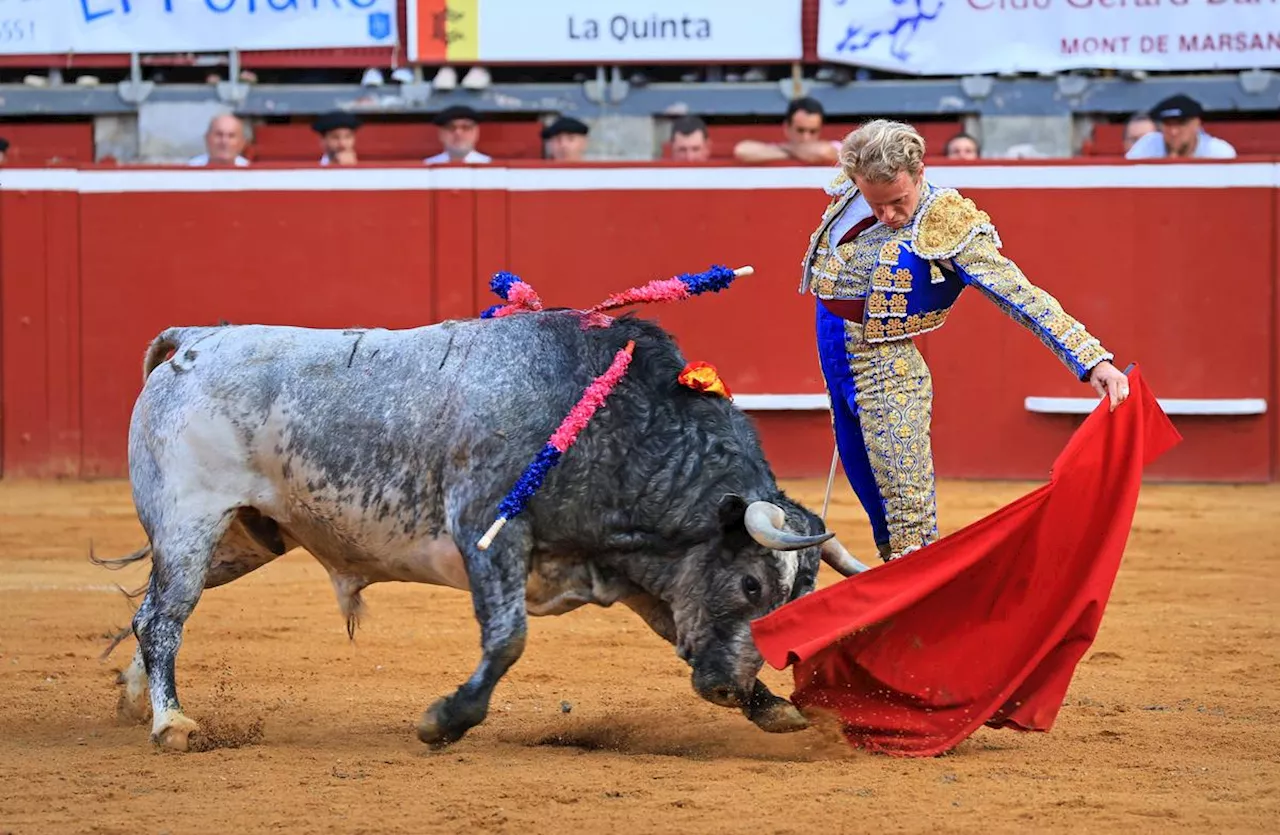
(766, 523)
(838, 557)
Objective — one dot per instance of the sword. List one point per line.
(831, 480)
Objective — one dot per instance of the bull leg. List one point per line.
(497, 581)
(765, 710)
(134, 707)
(236, 555)
(182, 552)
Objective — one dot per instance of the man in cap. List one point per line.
(337, 137)
(1181, 134)
(459, 133)
(566, 139)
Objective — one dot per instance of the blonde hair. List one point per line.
(880, 150)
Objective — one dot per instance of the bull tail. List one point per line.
(115, 564)
(167, 343)
(159, 349)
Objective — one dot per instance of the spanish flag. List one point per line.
(445, 30)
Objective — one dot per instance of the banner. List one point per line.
(955, 37)
(116, 26)
(606, 31)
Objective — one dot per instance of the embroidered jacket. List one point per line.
(911, 277)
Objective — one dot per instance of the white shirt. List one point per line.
(203, 159)
(855, 211)
(1151, 146)
(472, 156)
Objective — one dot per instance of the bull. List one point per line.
(385, 453)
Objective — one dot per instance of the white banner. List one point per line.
(951, 37)
(606, 31)
(115, 26)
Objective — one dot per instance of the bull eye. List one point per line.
(751, 588)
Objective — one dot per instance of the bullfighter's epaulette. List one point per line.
(947, 222)
(838, 186)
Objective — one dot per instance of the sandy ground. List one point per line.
(1172, 721)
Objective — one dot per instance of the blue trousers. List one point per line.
(882, 405)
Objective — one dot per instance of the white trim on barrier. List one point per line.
(646, 178)
(206, 180)
(39, 179)
(782, 402)
(1171, 406)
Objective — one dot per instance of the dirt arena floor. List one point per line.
(1172, 722)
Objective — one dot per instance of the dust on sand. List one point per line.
(1171, 722)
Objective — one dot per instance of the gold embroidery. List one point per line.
(882, 277)
(894, 393)
(874, 330)
(877, 303)
(893, 327)
(889, 253)
(902, 279)
(933, 320)
(1074, 340)
(946, 224)
(851, 264)
(898, 304)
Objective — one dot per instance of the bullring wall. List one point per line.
(1175, 266)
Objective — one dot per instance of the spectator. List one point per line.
(1138, 126)
(566, 139)
(690, 141)
(962, 146)
(337, 137)
(1181, 134)
(459, 134)
(802, 128)
(223, 141)
(4, 149)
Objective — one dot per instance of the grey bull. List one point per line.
(385, 453)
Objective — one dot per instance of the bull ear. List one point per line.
(733, 511)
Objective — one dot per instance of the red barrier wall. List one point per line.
(93, 264)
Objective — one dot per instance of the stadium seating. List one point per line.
(724, 137)
(395, 141)
(48, 143)
(1247, 137)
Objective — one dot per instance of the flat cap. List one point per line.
(334, 120)
(565, 124)
(456, 111)
(1177, 107)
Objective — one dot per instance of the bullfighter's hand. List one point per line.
(1109, 381)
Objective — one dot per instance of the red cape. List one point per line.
(984, 626)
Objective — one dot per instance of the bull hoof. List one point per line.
(435, 729)
(779, 717)
(180, 734)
